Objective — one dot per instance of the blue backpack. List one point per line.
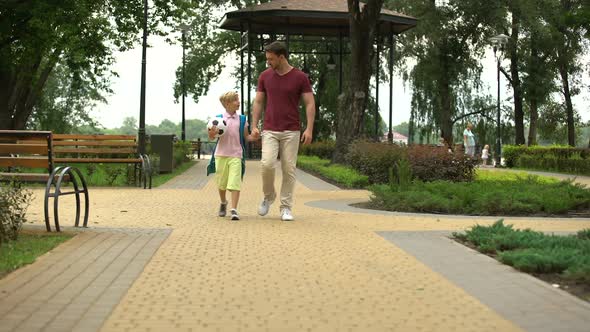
(211, 166)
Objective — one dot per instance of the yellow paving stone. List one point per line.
(327, 271)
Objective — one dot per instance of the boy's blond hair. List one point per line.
(228, 97)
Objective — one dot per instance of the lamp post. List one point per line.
(498, 42)
(184, 28)
(141, 130)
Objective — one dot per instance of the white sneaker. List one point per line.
(264, 207)
(286, 215)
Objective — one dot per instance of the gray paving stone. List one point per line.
(193, 178)
(83, 285)
(528, 302)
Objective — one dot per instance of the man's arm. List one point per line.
(309, 102)
(257, 111)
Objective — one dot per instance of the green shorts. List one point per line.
(229, 173)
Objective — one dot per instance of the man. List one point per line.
(282, 87)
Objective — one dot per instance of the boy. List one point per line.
(228, 158)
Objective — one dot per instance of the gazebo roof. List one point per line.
(308, 17)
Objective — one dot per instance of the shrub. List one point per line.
(375, 159)
(324, 150)
(430, 163)
(182, 152)
(341, 174)
(549, 158)
(14, 201)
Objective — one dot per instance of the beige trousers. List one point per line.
(286, 145)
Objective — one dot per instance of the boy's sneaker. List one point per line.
(234, 215)
(286, 215)
(222, 209)
(264, 207)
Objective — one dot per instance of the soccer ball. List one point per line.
(221, 125)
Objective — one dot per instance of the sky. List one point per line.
(163, 59)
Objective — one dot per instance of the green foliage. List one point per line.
(181, 152)
(430, 163)
(549, 158)
(195, 128)
(26, 249)
(532, 251)
(324, 149)
(400, 176)
(427, 163)
(374, 159)
(341, 174)
(14, 201)
(489, 194)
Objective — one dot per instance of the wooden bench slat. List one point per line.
(94, 137)
(94, 143)
(59, 150)
(13, 135)
(98, 160)
(24, 148)
(31, 162)
(30, 177)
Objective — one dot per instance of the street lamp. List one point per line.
(141, 131)
(498, 42)
(184, 28)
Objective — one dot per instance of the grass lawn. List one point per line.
(490, 194)
(27, 248)
(559, 260)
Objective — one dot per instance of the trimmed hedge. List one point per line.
(375, 159)
(324, 150)
(548, 158)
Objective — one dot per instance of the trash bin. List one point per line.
(163, 145)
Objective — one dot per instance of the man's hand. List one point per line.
(307, 137)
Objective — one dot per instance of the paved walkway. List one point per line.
(331, 270)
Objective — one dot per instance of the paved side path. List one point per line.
(328, 271)
(193, 178)
(76, 286)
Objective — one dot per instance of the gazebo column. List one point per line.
(377, 70)
(242, 67)
(340, 64)
(391, 45)
(248, 105)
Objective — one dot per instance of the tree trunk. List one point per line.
(516, 84)
(533, 122)
(446, 121)
(352, 105)
(571, 130)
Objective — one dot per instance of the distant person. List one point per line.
(227, 158)
(281, 87)
(469, 140)
(485, 154)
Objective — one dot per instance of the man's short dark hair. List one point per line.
(278, 48)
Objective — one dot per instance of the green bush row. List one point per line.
(532, 251)
(343, 175)
(490, 194)
(548, 158)
(324, 150)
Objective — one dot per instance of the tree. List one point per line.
(363, 23)
(446, 47)
(36, 35)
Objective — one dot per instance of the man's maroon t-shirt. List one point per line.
(282, 98)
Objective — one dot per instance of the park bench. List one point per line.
(34, 150)
(108, 149)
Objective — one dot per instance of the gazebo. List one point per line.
(326, 19)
